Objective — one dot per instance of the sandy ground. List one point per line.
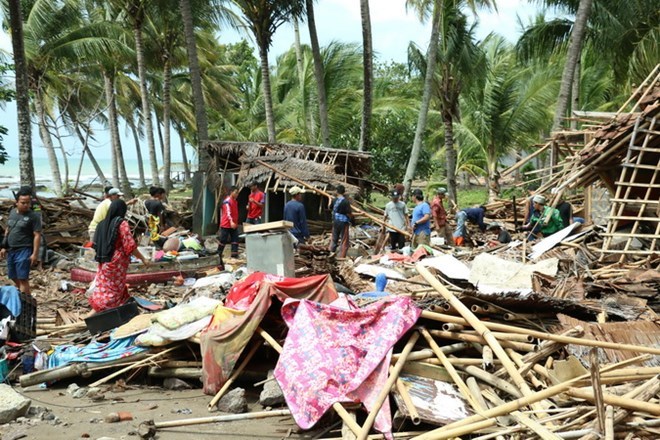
(81, 418)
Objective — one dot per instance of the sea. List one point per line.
(10, 176)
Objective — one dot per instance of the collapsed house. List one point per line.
(278, 167)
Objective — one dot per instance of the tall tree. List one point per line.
(319, 74)
(119, 165)
(368, 62)
(263, 18)
(574, 52)
(26, 164)
(431, 57)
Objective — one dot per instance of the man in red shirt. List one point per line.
(440, 216)
(229, 224)
(255, 206)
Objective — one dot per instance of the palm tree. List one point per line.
(263, 18)
(319, 74)
(508, 108)
(368, 57)
(26, 164)
(574, 52)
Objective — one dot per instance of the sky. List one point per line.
(393, 28)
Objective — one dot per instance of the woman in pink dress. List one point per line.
(114, 245)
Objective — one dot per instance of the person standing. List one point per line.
(341, 221)
(155, 209)
(421, 220)
(440, 215)
(545, 220)
(396, 214)
(255, 207)
(229, 225)
(101, 211)
(114, 244)
(22, 240)
(294, 212)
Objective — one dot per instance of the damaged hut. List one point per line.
(278, 167)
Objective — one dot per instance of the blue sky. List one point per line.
(392, 27)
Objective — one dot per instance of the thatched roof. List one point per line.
(323, 168)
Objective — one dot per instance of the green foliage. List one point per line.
(469, 197)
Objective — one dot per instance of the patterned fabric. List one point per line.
(334, 354)
(111, 290)
(119, 348)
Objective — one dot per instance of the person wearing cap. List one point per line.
(545, 220)
(473, 215)
(440, 215)
(228, 233)
(294, 212)
(101, 211)
(342, 215)
(255, 207)
(396, 214)
(503, 235)
(421, 220)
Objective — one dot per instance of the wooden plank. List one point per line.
(272, 226)
(426, 370)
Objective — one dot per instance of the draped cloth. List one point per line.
(233, 325)
(336, 353)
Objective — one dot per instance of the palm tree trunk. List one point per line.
(301, 83)
(574, 52)
(575, 92)
(167, 148)
(319, 75)
(118, 155)
(367, 61)
(44, 134)
(196, 83)
(493, 178)
(144, 94)
(26, 163)
(86, 149)
(159, 132)
(450, 155)
(431, 56)
(138, 151)
(268, 97)
(184, 157)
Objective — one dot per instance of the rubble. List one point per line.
(233, 402)
(272, 394)
(12, 404)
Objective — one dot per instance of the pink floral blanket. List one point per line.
(340, 353)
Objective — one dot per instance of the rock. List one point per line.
(37, 411)
(211, 245)
(182, 411)
(72, 389)
(80, 393)
(233, 402)
(94, 393)
(271, 395)
(12, 404)
(64, 265)
(172, 383)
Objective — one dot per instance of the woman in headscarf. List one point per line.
(114, 245)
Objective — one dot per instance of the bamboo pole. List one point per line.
(462, 387)
(407, 400)
(609, 422)
(385, 391)
(234, 375)
(132, 366)
(493, 380)
(325, 194)
(223, 418)
(441, 317)
(339, 409)
(594, 368)
(485, 333)
(619, 401)
(476, 421)
(467, 337)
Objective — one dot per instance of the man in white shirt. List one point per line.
(396, 214)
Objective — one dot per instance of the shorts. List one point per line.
(422, 238)
(18, 263)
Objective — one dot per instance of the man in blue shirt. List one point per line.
(421, 220)
(341, 221)
(294, 212)
(473, 215)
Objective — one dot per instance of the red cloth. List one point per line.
(254, 210)
(229, 213)
(224, 340)
(111, 290)
(439, 212)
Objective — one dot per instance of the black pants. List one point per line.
(228, 236)
(340, 232)
(253, 221)
(397, 240)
